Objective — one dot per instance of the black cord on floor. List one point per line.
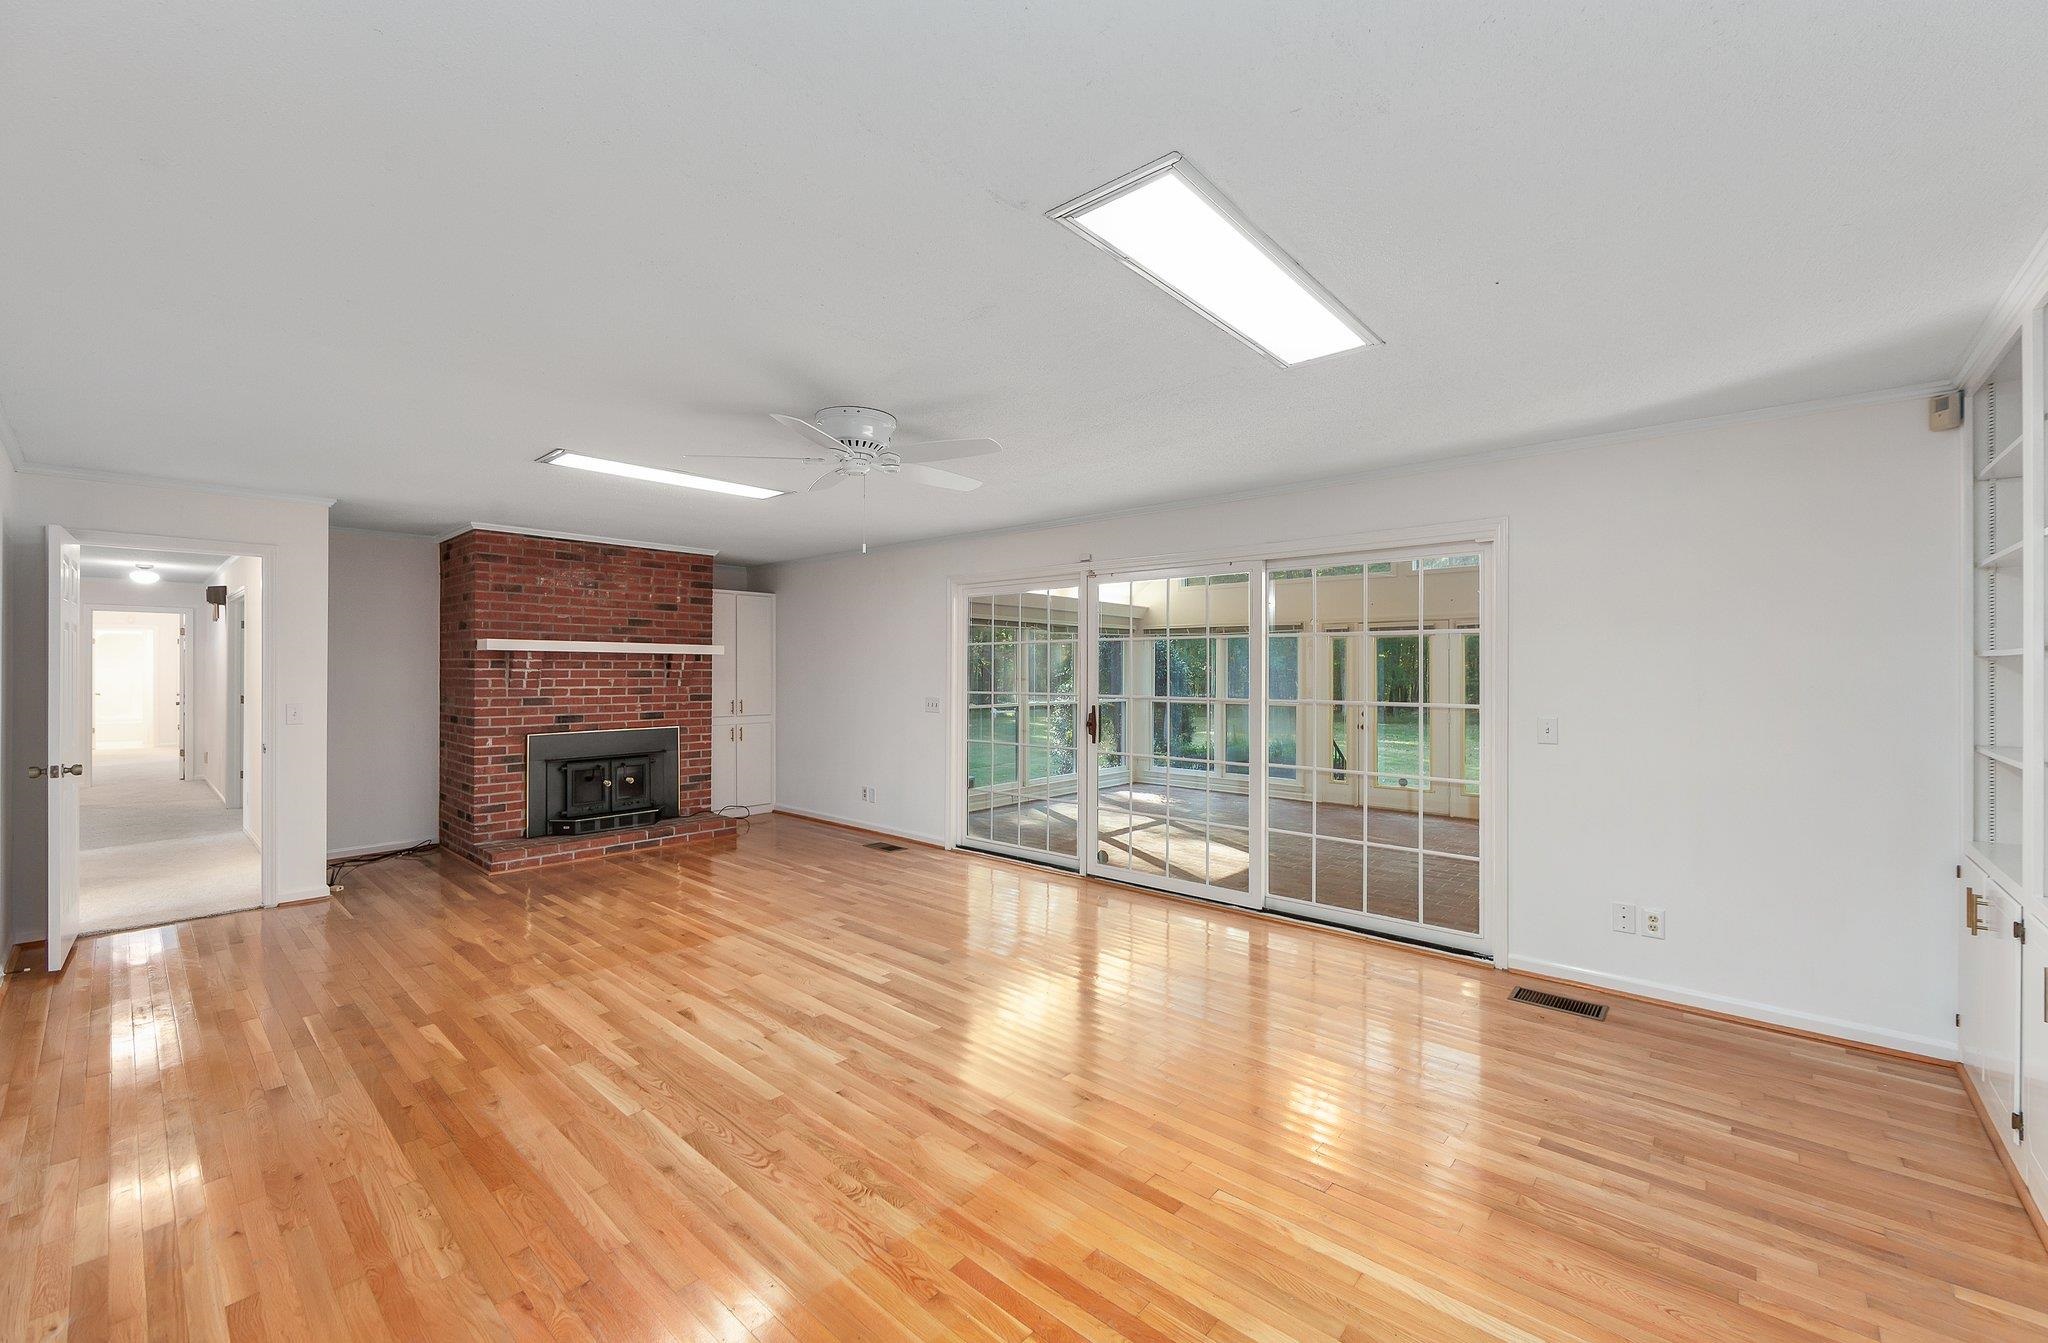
(341, 865)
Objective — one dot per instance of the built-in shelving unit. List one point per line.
(2003, 536)
(2001, 1016)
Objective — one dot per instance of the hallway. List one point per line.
(155, 848)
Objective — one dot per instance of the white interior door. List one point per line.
(65, 758)
(231, 707)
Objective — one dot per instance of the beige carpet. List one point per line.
(155, 849)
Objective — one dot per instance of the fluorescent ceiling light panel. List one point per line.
(1175, 229)
(634, 471)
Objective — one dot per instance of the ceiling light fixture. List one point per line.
(1171, 226)
(634, 471)
(145, 573)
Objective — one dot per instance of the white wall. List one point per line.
(1749, 634)
(383, 758)
(293, 539)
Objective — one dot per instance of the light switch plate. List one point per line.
(1624, 918)
(931, 703)
(293, 714)
(1546, 731)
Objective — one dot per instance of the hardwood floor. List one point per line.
(800, 1089)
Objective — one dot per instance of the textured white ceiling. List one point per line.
(389, 252)
(177, 566)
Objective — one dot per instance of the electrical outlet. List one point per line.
(863, 794)
(873, 794)
(1546, 732)
(1653, 922)
(1624, 918)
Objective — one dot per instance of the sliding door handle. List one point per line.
(1090, 724)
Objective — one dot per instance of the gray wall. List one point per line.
(383, 690)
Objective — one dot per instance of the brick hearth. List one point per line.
(499, 585)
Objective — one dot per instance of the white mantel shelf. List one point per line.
(593, 646)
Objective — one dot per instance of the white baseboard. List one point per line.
(1740, 1007)
(301, 897)
(859, 824)
(336, 854)
(216, 789)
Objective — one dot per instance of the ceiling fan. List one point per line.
(854, 441)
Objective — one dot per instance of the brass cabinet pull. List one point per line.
(1972, 900)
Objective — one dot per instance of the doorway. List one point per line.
(162, 833)
(1309, 735)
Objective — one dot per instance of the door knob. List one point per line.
(74, 769)
(36, 771)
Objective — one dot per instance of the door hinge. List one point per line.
(2019, 930)
(2019, 1124)
(1959, 871)
(1959, 1020)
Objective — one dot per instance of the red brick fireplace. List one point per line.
(502, 585)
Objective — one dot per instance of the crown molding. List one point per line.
(2028, 290)
(11, 443)
(1415, 466)
(553, 535)
(168, 483)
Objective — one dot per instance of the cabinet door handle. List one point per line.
(1972, 900)
(743, 706)
(743, 731)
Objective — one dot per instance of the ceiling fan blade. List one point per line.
(819, 438)
(931, 475)
(749, 457)
(946, 449)
(827, 481)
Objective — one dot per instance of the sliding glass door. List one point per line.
(1023, 679)
(1305, 735)
(1172, 724)
(1384, 829)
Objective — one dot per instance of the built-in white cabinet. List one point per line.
(2033, 1028)
(2001, 1017)
(743, 700)
(1989, 1037)
(743, 763)
(743, 679)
